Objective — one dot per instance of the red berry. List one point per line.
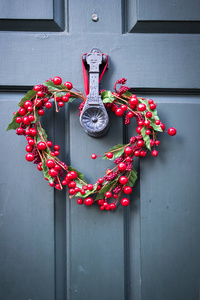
(152, 106)
(108, 194)
(154, 153)
(93, 156)
(64, 182)
(146, 123)
(127, 189)
(150, 101)
(171, 131)
(82, 191)
(56, 153)
(69, 176)
(125, 202)
(141, 107)
(115, 196)
(29, 148)
(57, 167)
(40, 112)
(73, 174)
(100, 201)
(39, 168)
(72, 184)
(112, 206)
(49, 143)
(57, 80)
(52, 153)
(129, 159)
(29, 108)
(162, 126)
(151, 143)
(30, 157)
(157, 122)
(119, 112)
(48, 105)
(114, 107)
(128, 150)
(68, 85)
(109, 155)
(148, 132)
(56, 147)
(58, 187)
(37, 88)
(105, 204)
(124, 107)
(108, 172)
(143, 153)
(26, 120)
(27, 104)
(20, 131)
(45, 100)
(90, 187)
(31, 142)
(31, 118)
(18, 120)
(65, 98)
(133, 100)
(80, 201)
(40, 94)
(88, 201)
(140, 143)
(27, 132)
(37, 102)
(100, 180)
(123, 180)
(41, 146)
(137, 153)
(157, 143)
(57, 98)
(50, 163)
(22, 111)
(98, 187)
(122, 166)
(102, 207)
(130, 114)
(138, 129)
(53, 172)
(148, 114)
(60, 104)
(51, 184)
(71, 191)
(140, 123)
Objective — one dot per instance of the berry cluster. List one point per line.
(42, 152)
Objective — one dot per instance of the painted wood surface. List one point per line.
(51, 248)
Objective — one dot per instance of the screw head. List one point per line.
(95, 18)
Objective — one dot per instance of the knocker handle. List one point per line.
(94, 117)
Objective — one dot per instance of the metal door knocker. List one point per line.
(94, 117)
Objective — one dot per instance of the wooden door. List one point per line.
(52, 248)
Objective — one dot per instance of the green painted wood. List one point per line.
(157, 16)
(52, 248)
(169, 195)
(25, 16)
(26, 218)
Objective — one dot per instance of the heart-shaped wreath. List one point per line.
(41, 151)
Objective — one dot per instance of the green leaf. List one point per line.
(107, 97)
(71, 99)
(127, 93)
(27, 97)
(105, 189)
(13, 124)
(52, 86)
(132, 178)
(115, 153)
(45, 170)
(146, 138)
(154, 116)
(38, 139)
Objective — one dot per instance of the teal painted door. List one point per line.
(51, 248)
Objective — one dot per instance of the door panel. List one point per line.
(52, 248)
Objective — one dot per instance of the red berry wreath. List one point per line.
(42, 152)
